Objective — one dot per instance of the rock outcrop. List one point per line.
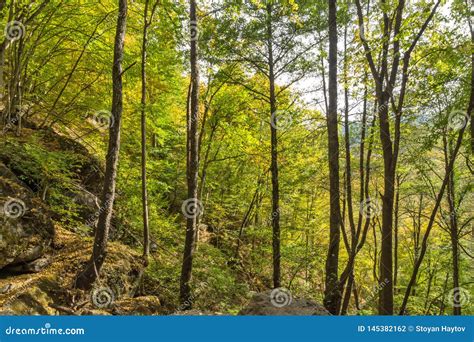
(26, 229)
(280, 302)
(50, 291)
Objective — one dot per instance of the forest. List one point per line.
(236, 157)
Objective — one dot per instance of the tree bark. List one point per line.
(395, 241)
(92, 270)
(332, 295)
(348, 196)
(471, 24)
(453, 225)
(146, 229)
(192, 163)
(274, 156)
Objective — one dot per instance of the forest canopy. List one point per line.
(306, 149)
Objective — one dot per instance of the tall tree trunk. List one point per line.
(385, 80)
(3, 46)
(471, 27)
(347, 143)
(453, 226)
(92, 270)
(356, 243)
(274, 155)
(192, 163)
(3, 49)
(146, 229)
(386, 267)
(348, 188)
(332, 295)
(395, 241)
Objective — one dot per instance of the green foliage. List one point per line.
(50, 172)
(67, 81)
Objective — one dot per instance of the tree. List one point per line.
(453, 222)
(91, 272)
(146, 230)
(385, 80)
(192, 161)
(274, 151)
(19, 15)
(274, 43)
(332, 295)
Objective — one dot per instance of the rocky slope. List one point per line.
(39, 259)
(40, 256)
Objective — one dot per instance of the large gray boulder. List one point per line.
(280, 302)
(26, 229)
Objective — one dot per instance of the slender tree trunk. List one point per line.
(3, 49)
(357, 242)
(14, 112)
(376, 254)
(471, 24)
(274, 154)
(348, 197)
(386, 266)
(453, 226)
(431, 275)
(395, 241)
(92, 270)
(246, 220)
(332, 295)
(3, 46)
(443, 297)
(350, 211)
(192, 164)
(146, 229)
(205, 165)
(347, 294)
(385, 80)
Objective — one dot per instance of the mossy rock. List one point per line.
(26, 228)
(280, 302)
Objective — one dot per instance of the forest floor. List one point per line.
(50, 291)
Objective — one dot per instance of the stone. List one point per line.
(280, 302)
(26, 228)
(34, 266)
